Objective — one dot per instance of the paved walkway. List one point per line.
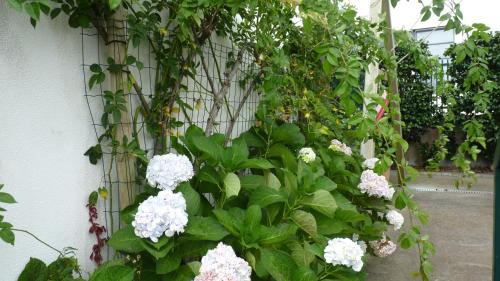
(461, 227)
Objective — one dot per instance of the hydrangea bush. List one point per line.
(274, 205)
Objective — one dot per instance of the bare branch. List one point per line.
(219, 96)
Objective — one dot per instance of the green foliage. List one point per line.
(6, 233)
(63, 268)
(415, 70)
(471, 81)
(466, 98)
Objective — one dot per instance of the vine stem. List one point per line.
(38, 239)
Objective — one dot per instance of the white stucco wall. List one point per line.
(44, 130)
(45, 127)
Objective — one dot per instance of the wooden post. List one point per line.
(393, 89)
(368, 147)
(125, 163)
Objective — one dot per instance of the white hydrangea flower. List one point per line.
(370, 163)
(383, 247)
(341, 147)
(169, 170)
(395, 218)
(222, 264)
(307, 154)
(375, 185)
(161, 214)
(344, 251)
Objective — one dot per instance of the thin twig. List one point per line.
(39, 240)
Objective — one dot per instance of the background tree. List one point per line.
(464, 109)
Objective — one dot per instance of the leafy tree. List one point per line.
(416, 68)
(464, 108)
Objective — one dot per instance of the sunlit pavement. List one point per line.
(461, 227)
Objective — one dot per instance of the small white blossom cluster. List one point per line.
(307, 155)
(222, 264)
(375, 185)
(341, 147)
(344, 251)
(383, 248)
(395, 218)
(370, 163)
(169, 170)
(361, 243)
(161, 214)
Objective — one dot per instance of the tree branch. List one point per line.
(219, 96)
(237, 113)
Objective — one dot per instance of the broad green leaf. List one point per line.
(126, 241)
(207, 146)
(305, 221)
(304, 274)
(342, 202)
(255, 163)
(277, 234)
(167, 264)
(266, 196)
(206, 228)
(6, 198)
(7, 235)
(231, 223)
(321, 201)
(113, 272)
(235, 154)
(279, 264)
(209, 174)
(192, 198)
(289, 159)
(301, 255)
(113, 4)
(35, 270)
(232, 185)
(158, 249)
(252, 182)
(16, 4)
(328, 226)
(189, 249)
(324, 183)
(349, 216)
(33, 10)
(289, 134)
(252, 225)
(271, 180)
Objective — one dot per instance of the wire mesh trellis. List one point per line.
(197, 96)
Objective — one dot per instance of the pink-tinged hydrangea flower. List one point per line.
(383, 248)
(375, 185)
(169, 170)
(161, 214)
(222, 264)
(395, 218)
(344, 251)
(307, 155)
(370, 163)
(337, 145)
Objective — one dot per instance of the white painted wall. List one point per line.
(45, 127)
(44, 130)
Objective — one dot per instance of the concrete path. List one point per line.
(461, 227)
